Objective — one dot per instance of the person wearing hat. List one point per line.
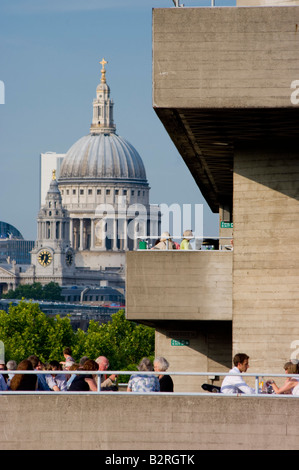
(165, 243)
(187, 236)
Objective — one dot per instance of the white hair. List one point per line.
(164, 364)
(145, 364)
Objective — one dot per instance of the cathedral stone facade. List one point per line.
(96, 208)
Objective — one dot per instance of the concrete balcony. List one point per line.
(179, 285)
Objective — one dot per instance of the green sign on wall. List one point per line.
(226, 225)
(180, 342)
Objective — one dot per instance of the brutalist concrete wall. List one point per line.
(195, 346)
(240, 58)
(179, 285)
(160, 422)
(266, 252)
(187, 297)
(225, 57)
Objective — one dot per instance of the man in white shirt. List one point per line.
(235, 383)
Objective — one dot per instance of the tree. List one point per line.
(124, 342)
(52, 291)
(35, 291)
(26, 330)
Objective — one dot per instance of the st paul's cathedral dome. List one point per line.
(96, 207)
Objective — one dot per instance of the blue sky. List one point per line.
(50, 53)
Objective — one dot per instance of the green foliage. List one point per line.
(122, 341)
(35, 291)
(26, 330)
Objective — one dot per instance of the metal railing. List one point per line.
(256, 376)
(204, 246)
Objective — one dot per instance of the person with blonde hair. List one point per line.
(291, 385)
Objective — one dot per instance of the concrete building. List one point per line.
(226, 89)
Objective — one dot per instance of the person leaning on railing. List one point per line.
(56, 382)
(234, 383)
(187, 236)
(291, 385)
(24, 382)
(107, 383)
(141, 382)
(85, 382)
(166, 383)
(165, 243)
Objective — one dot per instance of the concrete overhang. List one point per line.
(221, 75)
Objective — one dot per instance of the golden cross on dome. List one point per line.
(53, 174)
(103, 63)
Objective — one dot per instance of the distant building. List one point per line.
(49, 161)
(96, 295)
(15, 250)
(13, 247)
(94, 206)
(8, 231)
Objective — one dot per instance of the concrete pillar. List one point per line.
(266, 252)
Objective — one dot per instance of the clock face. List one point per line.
(44, 258)
(69, 258)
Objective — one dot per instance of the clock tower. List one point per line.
(52, 255)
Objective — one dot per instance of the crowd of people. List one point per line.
(60, 379)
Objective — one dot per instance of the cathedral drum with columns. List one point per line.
(98, 207)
